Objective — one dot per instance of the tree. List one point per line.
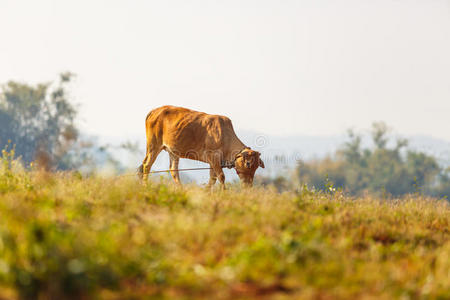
(380, 170)
(379, 132)
(39, 120)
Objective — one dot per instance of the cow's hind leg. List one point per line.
(212, 179)
(148, 162)
(174, 162)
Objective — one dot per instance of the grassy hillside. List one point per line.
(63, 236)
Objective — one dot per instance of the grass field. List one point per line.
(63, 236)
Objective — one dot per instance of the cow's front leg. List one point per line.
(219, 175)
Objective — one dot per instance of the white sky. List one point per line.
(280, 67)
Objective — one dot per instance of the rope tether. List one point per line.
(192, 169)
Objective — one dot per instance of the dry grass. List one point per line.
(62, 236)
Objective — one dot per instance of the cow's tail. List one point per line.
(140, 171)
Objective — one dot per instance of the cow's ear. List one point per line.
(261, 163)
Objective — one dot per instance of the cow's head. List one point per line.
(246, 163)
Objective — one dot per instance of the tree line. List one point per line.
(388, 168)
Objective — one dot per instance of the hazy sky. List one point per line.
(280, 67)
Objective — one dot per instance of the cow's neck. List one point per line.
(234, 148)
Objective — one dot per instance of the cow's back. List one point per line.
(186, 132)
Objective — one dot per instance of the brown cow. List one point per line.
(186, 133)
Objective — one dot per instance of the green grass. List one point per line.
(62, 236)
